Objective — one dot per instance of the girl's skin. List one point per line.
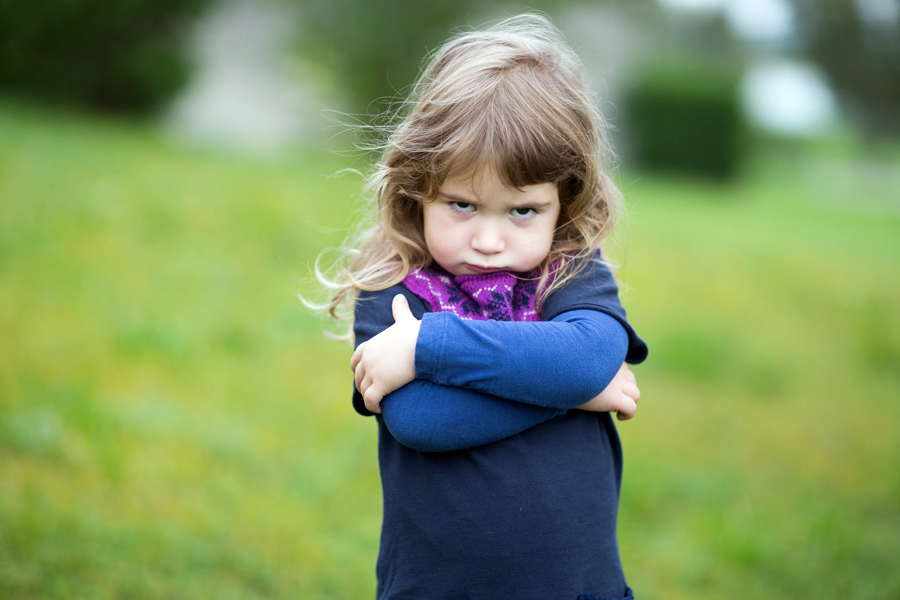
(476, 225)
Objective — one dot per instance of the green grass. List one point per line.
(173, 424)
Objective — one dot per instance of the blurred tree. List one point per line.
(859, 49)
(108, 54)
(375, 48)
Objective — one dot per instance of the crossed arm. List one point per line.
(447, 383)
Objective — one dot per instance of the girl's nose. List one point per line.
(488, 240)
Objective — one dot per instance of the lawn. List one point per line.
(174, 424)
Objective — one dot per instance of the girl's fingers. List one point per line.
(357, 356)
(363, 381)
(364, 385)
(400, 308)
(372, 398)
(627, 411)
(632, 391)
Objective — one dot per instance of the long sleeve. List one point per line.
(428, 416)
(433, 418)
(560, 364)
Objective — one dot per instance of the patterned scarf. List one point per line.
(501, 296)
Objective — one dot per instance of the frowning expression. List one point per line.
(481, 225)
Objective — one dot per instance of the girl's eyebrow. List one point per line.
(464, 200)
(457, 198)
(534, 204)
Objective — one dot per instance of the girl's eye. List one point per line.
(523, 212)
(463, 206)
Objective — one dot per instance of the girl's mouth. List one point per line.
(483, 269)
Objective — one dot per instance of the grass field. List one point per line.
(173, 424)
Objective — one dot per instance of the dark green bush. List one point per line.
(685, 118)
(107, 54)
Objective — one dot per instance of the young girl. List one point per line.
(483, 316)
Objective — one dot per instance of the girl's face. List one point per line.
(481, 225)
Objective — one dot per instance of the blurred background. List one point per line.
(174, 424)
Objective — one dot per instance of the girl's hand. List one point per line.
(621, 396)
(387, 362)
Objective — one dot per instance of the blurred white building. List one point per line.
(249, 90)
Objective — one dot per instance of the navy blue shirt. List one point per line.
(492, 487)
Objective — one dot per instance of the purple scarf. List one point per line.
(501, 296)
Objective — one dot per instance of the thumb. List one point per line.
(627, 410)
(400, 309)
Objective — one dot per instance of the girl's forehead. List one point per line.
(474, 181)
(487, 179)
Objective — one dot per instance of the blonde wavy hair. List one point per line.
(510, 98)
